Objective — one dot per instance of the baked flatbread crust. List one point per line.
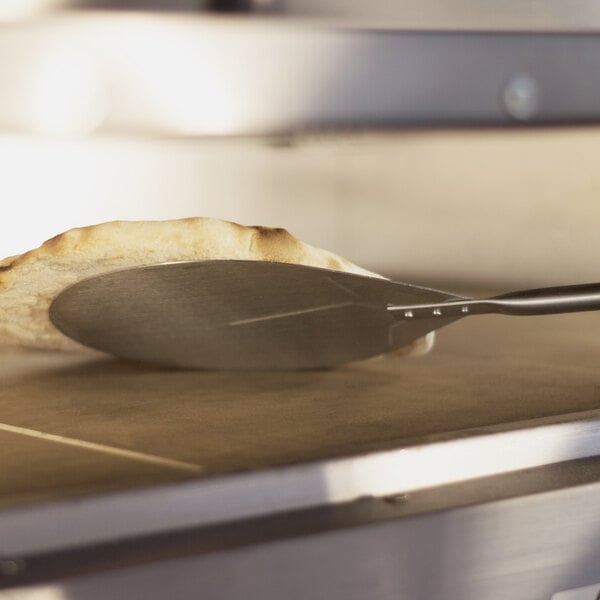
(29, 282)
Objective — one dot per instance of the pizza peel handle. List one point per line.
(540, 301)
(547, 301)
(230, 314)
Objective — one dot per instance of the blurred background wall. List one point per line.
(110, 115)
(492, 207)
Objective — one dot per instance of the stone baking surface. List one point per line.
(484, 371)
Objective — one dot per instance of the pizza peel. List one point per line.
(235, 314)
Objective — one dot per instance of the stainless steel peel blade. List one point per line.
(231, 314)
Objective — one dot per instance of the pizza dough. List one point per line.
(29, 282)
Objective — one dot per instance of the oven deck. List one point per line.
(502, 416)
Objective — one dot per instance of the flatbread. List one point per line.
(29, 282)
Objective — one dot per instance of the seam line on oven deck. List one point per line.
(122, 452)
